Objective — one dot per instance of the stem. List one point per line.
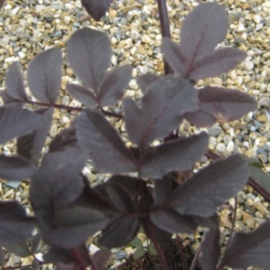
(78, 257)
(182, 255)
(165, 28)
(197, 253)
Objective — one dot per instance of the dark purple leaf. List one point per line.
(217, 62)
(101, 257)
(14, 83)
(145, 80)
(120, 232)
(210, 250)
(30, 146)
(15, 121)
(2, 255)
(108, 152)
(112, 88)
(15, 168)
(15, 226)
(58, 181)
(62, 266)
(82, 94)
(64, 139)
(18, 248)
(178, 155)
(202, 30)
(56, 254)
(120, 198)
(96, 8)
(8, 101)
(89, 55)
(220, 104)
(173, 55)
(171, 221)
(44, 75)
(210, 187)
(211, 222)
(249, 249)
(75, 225)
(35, 241)
(161, 109)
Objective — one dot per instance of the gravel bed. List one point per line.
(28, 27)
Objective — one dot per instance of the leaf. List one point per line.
(18, 248)
(56, 254)
(96, 8)
(178, 155)
(82, 94)
(220, 104)
(139, 252)
(219, 61)
(2, 255)
(120, 232)
(73, 226)
(15, 121)
(57, 183)
(161, 109)
(120, 198)
(112, 87)
(15, 168)
(30, 146)
(101, 257)
(249, 249)
(210, 250)
(44, 75)
(15, 226)
(62, 266)
(35, 241)
(260, 177)
(173, 55)
(14, 83)
(202, 30)
(89, 55)
(100, 139)
(145, 80)
(210, 187)
(171, 221)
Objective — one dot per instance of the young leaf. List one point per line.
(171, 221)
(101, 257)
(15, 121)
(18, 248)
(14, 83)
(202, 30)
(145, 80)
(220, 104)
(173, 55)
(82, 94)
(89, 55)
(210, 250)
(15, 226)
(56, 254)
(30, 146)
(57, 183)
(107, 150)
(210, 187)
(178, 155)
(74, 225)
(96, 8)
(112, 88)
(217, 62)
(15, 168)
(44, 75)
(249, 249)
(120, 232)
(161, 109)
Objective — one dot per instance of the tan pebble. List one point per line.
(262, 118)
(260, 207)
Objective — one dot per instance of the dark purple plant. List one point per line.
(68, 210)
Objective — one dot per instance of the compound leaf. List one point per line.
(44, 75)
(145, 80)
(210, 187)
(89, 55)
(107, 150)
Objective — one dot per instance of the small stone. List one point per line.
(249, 65)
(257, 18)
(230, 146)
(214, 131)
(221, 147)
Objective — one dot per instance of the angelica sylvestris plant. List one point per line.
(142, 191)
